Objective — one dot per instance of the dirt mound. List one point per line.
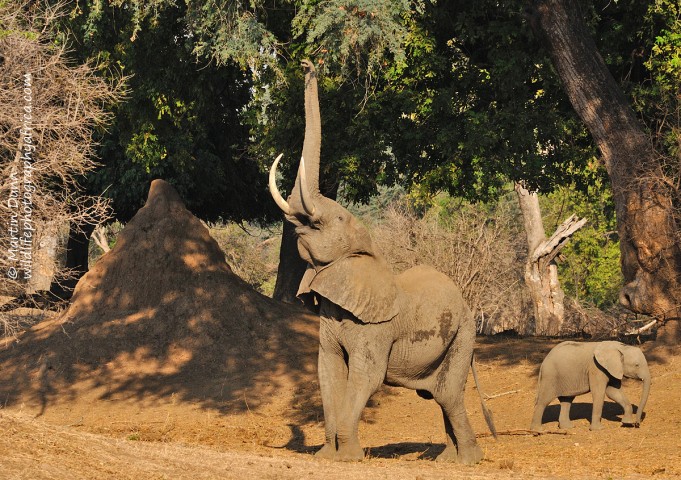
(162, 314)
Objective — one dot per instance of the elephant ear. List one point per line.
(609, 356)
(361, 284)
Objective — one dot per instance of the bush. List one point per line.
(251, 251)
(479, 246)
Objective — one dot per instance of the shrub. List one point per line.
(478, 246)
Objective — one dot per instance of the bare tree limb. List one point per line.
(548, 249)
(99, 237)
(489, 397)
(642, 329)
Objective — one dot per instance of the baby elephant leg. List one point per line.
(544, 397)
(564, 417)
(618, 396)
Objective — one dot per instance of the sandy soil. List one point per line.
(166, 365)
(92, 434)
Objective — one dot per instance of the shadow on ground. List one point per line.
(162, 314)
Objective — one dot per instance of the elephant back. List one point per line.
(433, 301)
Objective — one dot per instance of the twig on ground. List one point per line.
(510, 392)
(525, 432)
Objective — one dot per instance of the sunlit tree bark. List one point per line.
(650, 254)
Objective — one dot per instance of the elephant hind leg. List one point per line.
(461, 445)
(544, 397)
(450, 384)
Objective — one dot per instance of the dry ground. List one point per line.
(91, 434)
(166, 365)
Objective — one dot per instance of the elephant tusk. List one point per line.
(306, 198)
(274, 191)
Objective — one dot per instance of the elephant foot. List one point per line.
(628, 420)
(449, 454)
(596, 426)
(467, 456)
(327, 452)
(537, 427)
(350, 452)
(470, 455)
(565, 425)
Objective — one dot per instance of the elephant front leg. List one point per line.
(598, 395)
(366, 371)
(333, 373)
(618, 396)
(564, 417)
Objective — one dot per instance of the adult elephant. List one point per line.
(574, 368)
(412, 330)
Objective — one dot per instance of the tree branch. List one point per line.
(548, 249)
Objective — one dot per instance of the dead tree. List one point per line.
(541, 271)
(50, 109)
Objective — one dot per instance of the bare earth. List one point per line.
(91, 433)
(166, 365)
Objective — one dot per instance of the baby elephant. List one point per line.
(574, 368)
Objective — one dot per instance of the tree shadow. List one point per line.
(510, 351)
(163, 315)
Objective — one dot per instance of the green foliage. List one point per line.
(658, 101)
(182, 120)
(665, 56)
(590, 269)
(363, 36)
(231, 31)
(434, 96)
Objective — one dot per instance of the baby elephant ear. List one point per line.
(360, 284)
(609, 356)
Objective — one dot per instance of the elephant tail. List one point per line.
(485, 410)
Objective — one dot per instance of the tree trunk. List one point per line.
(291, 266)
(650, 255)
(77, 251)
(45, 261)
(541, 272)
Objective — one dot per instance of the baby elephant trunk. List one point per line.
(644, 396)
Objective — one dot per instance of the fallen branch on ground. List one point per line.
(488, 397)
(645, 327)
(521, 431)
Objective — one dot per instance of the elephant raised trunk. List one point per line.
(306, 188)
(313, 128)
(311, 145)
